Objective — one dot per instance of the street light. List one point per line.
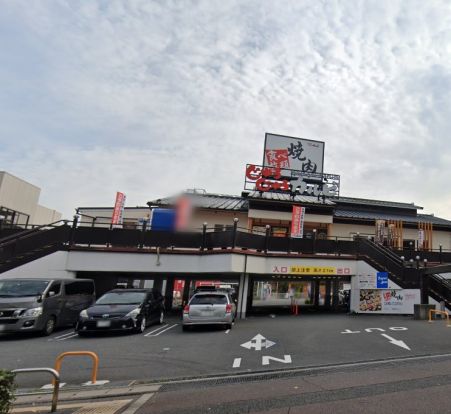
(417, 259)
(425, 261)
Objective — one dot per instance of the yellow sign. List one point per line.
(313, 270)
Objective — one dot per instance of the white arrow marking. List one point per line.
(396, 342)
(258, 342)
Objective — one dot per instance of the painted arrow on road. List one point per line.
(258, 342)
(397, 342)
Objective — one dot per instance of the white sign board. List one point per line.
(292, 153)
(367, 281)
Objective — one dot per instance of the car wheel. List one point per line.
(142, 326)
(228, 326)
(82, 333)
(186, 328)
(161, 320)
(49, 326)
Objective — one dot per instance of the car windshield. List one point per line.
(20, 288)
(121, 298)
(209, 300)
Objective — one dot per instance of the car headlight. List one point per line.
(134, 313)
(34, 312)
(84, 314)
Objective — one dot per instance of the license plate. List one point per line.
(103, 324)
(207, 312)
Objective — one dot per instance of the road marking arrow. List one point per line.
(258, 342)
(396, 342)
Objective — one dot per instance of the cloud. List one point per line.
(149, 97)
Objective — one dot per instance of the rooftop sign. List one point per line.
(299, 154)
(261, 178)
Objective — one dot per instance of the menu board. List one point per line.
(367, 281)
(388, 300)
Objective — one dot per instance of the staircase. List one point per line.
(21, 248)
(439, 289)
(384, 259)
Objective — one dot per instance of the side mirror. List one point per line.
(51, 293)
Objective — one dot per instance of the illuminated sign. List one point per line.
(279, 179)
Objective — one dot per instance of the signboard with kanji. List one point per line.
(299, 154)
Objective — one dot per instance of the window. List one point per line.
(55, 288)
(122, 298)
(209, 300)
(79, 288)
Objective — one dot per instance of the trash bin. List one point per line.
(421, 311)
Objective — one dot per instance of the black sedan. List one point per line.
(123, 310)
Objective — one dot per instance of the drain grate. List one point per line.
(110, 407)
(293, 372)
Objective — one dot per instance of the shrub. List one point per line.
(7, 387)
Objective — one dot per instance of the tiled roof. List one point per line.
(370, 215)
(208, 201)
(376, 203)
(344, 207)
(257, 195)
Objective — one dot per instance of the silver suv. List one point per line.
(209, 308)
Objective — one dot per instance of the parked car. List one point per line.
(209, 308)
(41, 305)
(122, 310)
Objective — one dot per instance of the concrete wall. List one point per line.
(17, 194)
(54, 265)
(44, 215)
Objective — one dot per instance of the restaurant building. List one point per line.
(297, 212)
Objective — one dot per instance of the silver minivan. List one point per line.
(41, 305)
(209, 308)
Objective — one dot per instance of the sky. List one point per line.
(152, 97)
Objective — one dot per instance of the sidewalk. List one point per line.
(408, 386)
(105, 400)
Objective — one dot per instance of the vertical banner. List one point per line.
(118, 211)
(380, 231)
(420, 239)
(297, 221)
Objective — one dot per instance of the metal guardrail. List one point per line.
(93, 355)
(431, 311)
(56, 382)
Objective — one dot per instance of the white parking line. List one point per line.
(156, 330)
(226, 332)
(164, 330)
(62, 336)
(68, 337)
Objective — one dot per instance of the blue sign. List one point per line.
(382, 280)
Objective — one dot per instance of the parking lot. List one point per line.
(255, 344)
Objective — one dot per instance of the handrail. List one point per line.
(56, 382)
(25, 236)
(431, 311)
(93, 355)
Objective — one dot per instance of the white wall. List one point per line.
(349, 230)
(44, 215)
(165, 263)
(17, 194)
(54, 265)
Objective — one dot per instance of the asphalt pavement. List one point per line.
(257, 344)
